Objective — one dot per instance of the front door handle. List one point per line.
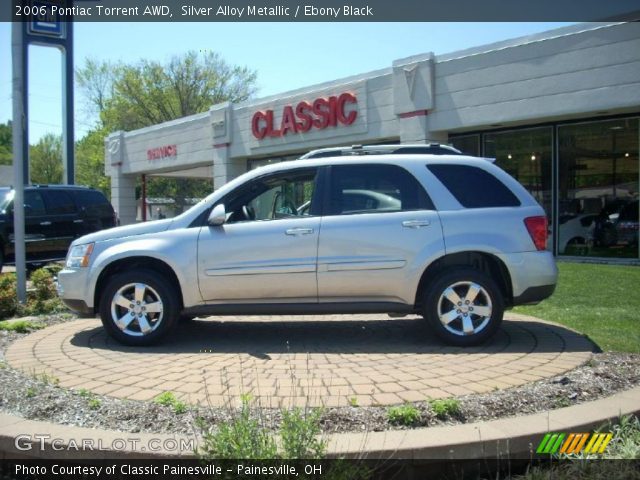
(299, 231)
(416, 223)
(78, 221)
(44, 224)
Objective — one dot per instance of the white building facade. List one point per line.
(558, 110)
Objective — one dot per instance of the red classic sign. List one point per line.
(320, 114)
(162, 152)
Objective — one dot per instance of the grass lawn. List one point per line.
(601, 301)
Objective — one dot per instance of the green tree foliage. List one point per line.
(45, 159)
(90, 161)
(6, 145)
(131, 96)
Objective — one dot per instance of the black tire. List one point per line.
(157, 291)
(489, 300)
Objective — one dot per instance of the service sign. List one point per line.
(321, 113)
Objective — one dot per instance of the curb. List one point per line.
(508, 438)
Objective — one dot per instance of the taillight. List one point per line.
(537, 228)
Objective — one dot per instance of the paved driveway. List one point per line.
(283, 361)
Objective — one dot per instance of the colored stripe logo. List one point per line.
(574, 443)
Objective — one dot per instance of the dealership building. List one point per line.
(558, 110)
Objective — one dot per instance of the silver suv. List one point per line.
(451, 237)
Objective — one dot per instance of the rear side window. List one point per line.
(59, 202)
(474, 187)
(372, 188)
(93, 203)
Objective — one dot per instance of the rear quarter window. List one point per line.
(93, 203)
(474, 187)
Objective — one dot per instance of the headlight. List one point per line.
(79, 255)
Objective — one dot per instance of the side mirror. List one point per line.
(217, 216)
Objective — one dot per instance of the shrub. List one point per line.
(241, 437)
(403, 415)
(447, 407)
(168, 399)
(43, 286)
(8, 295)
(300, 434)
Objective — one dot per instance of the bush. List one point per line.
(403, 415)
(168, 399)
(8, 295)
(41, 296)
(448, 407)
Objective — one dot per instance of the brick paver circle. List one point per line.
(281, 361)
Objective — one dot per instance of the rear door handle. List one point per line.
(416, 223)
(45, 223)
(78, 221)
(299, 231)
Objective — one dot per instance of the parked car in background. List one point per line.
(451, 237)
(575, 230)
(55, 215)
(617, 224)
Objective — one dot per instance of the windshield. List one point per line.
(6, 197)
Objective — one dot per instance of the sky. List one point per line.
(286, 56)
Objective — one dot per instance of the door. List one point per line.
(38, 228)
(266, 251)
(63, 216)
(379, 232)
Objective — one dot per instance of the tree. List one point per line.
(90, 161)
(45, 158)
(134, 96)
(6, 143)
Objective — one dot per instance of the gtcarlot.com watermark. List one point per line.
(43, 442)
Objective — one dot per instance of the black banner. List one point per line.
(352, 469)
(52, 11)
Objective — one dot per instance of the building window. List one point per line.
(527, 156)
(467, 144)
(598, 188)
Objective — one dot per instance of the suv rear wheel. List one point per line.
(464, 307)
(138, 307)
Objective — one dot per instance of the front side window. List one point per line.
(371, 188)
(282, 195)
(33, 204)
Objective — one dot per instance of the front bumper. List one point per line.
(71, 286)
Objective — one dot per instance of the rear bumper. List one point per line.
(533, 275)
(533, 295)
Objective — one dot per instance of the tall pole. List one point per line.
(19, 128)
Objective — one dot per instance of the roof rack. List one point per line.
(407, 149)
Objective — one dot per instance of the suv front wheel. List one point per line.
(464, 307)
(138, 307)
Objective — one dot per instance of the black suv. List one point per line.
(54, 216)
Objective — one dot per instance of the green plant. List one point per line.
(300, 432)
(446, 407)
(241, 437)
(94, 403)
(20, 326)
(46, 378)
(168, 399)
(406, 414)
(83, 392)
(42, 282)
(31, 392)
(353, 401)
(8, 295)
